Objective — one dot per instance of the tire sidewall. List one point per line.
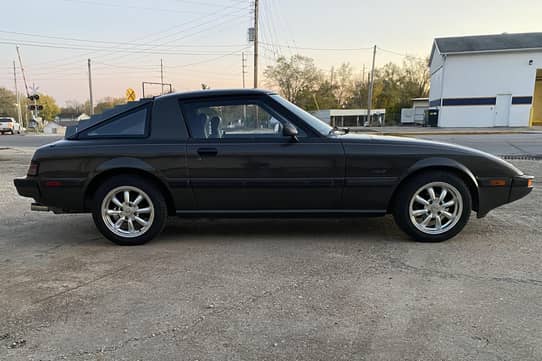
(156, 197)
(407, 191)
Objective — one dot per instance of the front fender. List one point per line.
(442, 163)
(438, 162)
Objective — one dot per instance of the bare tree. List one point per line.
(293, 77)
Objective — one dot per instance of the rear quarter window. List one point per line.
(131, 124)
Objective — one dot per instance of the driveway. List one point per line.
(331, 289)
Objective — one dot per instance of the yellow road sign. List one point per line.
(130, 95)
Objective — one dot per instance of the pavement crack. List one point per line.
(443, 274)
(80, 285)
(181, 331)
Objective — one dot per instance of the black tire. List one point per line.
(408, 190)
(155, 197)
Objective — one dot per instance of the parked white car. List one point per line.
(10, 125)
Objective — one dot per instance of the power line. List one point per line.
(112, 42)
(98, 49)
(325, 49)
(151, 45)
(128, 6)
(399, 54)
(152, 36)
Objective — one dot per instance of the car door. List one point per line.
(239, 159)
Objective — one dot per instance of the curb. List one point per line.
(407, 134)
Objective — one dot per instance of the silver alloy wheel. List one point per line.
(435, 208)
(127, 211)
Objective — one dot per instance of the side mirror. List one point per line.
(290, 131)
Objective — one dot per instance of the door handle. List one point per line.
(207, 152)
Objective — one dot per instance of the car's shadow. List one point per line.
(350, 228)
(79, 230)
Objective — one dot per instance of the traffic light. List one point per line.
(34, 97)
(35, 107)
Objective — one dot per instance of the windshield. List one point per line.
(7, 120)
(320, 126)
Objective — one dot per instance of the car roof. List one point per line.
(119, 109)
(216, 93)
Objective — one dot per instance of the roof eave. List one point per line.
(520, 50)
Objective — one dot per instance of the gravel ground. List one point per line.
(336, 289)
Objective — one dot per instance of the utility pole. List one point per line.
(243, 67)
(22, 72)
(90, 89)
(17, 95)
(370, 90)
(162, 75)
(256, 14)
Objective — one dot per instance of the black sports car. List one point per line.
(250, 152)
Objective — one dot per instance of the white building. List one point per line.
(487, 80)
(416, 114)
(53, 127)
(350, 117)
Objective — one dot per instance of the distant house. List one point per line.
(53, 127)
(487, 80)
(69, 121)
(83, 116)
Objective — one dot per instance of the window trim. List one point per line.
(225, 101)
(146, 133)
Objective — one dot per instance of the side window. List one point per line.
(209, 120)
(131, 124)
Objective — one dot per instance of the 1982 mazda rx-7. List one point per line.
(250, 152)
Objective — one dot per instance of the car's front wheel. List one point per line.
(129, 210)
(433, 206)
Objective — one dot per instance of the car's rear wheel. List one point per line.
(433, 206)
(129, 210)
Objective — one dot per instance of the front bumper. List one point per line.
(521, 186)
(28, 187)
(491, 197)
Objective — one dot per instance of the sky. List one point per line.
(202, 41)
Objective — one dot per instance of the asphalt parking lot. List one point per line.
(334, 289)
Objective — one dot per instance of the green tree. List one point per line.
(293, 77)
(7, 103)
(108, 103)
(321, 98)
(50, 108)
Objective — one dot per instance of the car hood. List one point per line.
(436, 147)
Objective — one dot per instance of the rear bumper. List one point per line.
(59, 194)
(27, 187)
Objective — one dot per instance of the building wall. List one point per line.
(435, 89)
(467, 78)
(537, 102)
(436, 61)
